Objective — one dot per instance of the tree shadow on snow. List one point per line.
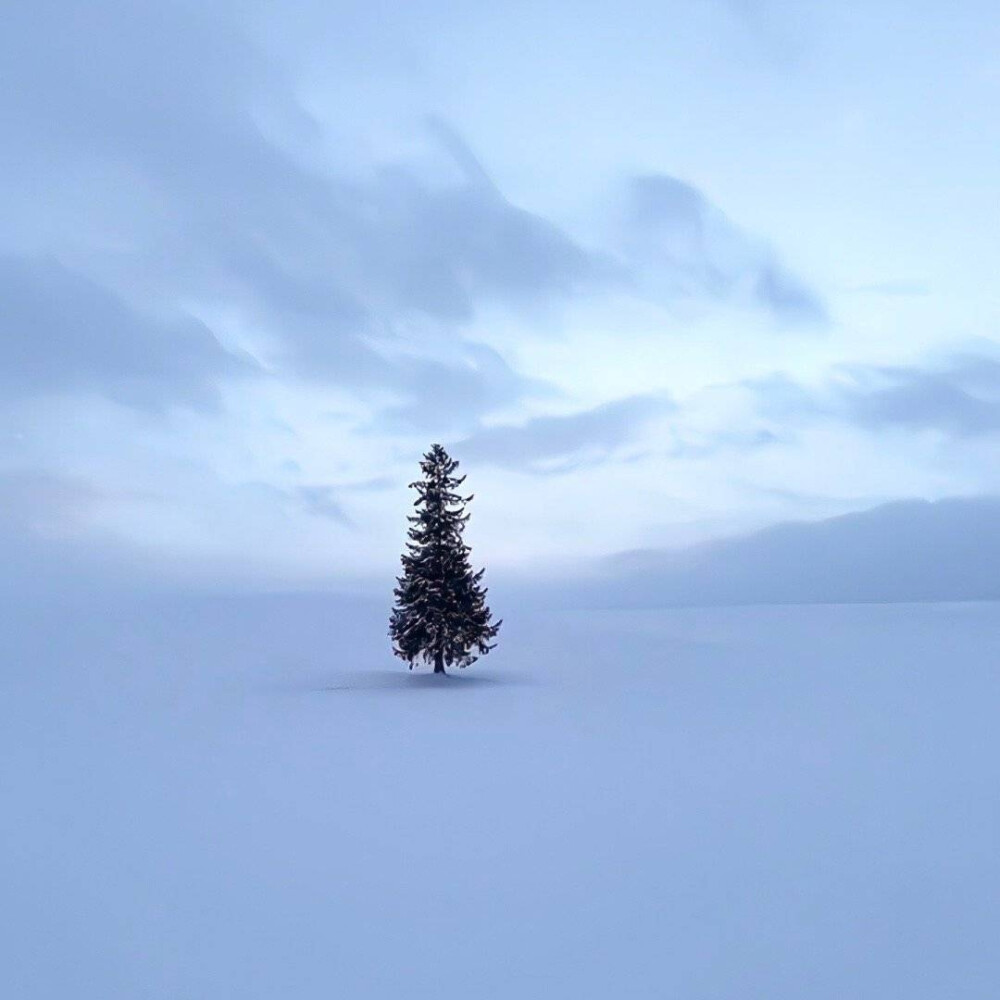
(385, 680)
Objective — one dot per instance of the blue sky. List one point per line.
(658, 274)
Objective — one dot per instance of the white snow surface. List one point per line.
(248, 798)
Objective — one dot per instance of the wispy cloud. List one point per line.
(959, 397)
(61, 331)
(683, 246)
(560, 443)
(321, 501)
(322, 263)
(900, 288)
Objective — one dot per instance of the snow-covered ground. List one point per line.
(248, 798)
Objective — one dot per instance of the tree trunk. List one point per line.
(439, 662)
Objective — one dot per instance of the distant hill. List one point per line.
(913, 550)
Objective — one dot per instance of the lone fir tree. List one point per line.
(440, 611)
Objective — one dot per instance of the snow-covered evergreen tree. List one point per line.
(440, 611)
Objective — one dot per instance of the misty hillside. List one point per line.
(913, 550)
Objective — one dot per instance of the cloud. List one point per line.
(374, 484)
(59, 331)
(682, 246)
(912, 550)
(164, 101)
(36, 502)
(960, 397)
(49, 543)
(561, 443)
(714, 443)
(321, 501)
(392, 254)
(898, 288)
(962, 400)
(206, 182)
(181, 526)
(448, 395)
(473, 240)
